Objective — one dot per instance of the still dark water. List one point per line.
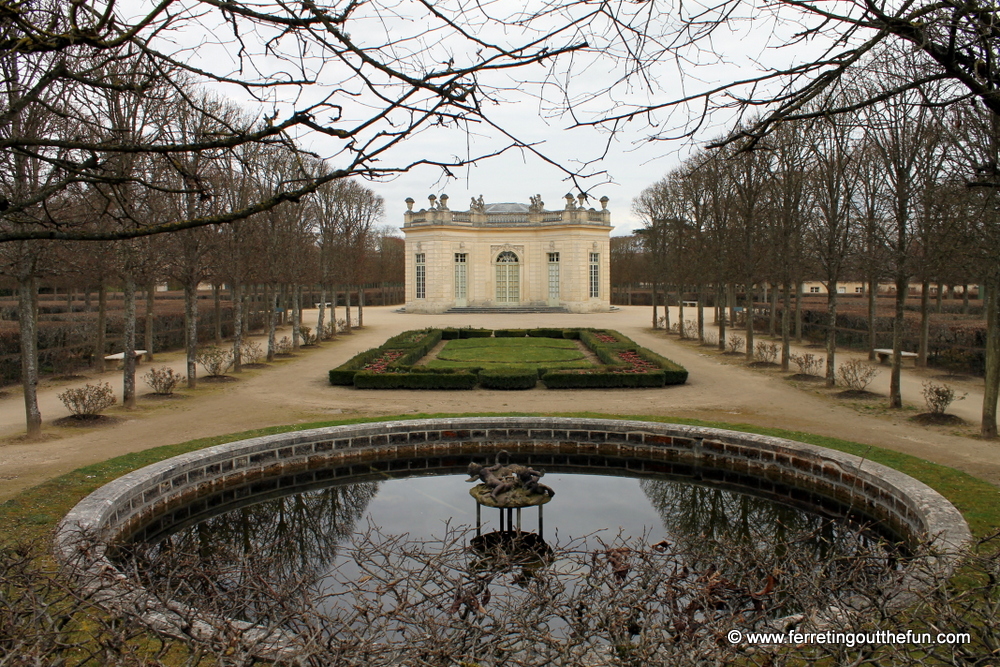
(248, 556)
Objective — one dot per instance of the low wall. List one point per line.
(178, 489)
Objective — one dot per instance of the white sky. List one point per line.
(401, 26)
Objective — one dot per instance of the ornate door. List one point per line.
(508, 286)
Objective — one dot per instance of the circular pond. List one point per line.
(364, 538)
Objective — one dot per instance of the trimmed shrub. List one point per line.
(595, 339)
(602, 380)
(545, 333)
(215, 360)
(673, 373)
(571, 334)
(475, 333)
(857, 374)
(939, 396)
(163, 380)
(424, 339)
(455, 380)
(343, 375)
(511, 377)
(449, 334)
(510, 333)
(89, 400)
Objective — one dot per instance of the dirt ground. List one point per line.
(295, 390)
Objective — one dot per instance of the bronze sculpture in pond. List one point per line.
(504, 478)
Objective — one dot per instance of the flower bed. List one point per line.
(626, 364)
(381, 363)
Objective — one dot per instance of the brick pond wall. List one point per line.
(178, 490)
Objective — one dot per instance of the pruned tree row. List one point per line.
(889, 192)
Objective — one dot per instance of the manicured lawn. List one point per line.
(488, 353)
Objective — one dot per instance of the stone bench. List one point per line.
(884, 355)
(120, 356)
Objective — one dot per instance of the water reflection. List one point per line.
(298, 549)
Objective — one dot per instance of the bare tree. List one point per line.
(357, 78)
(901, 132)
(832, 232)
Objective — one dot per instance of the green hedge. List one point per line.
(475, 333)
(602, 380)
(415, 344)
(589, 338)
(510, 333)
(417, 338)
(343, 375)
(673, 372)
(512, 377)
(546, 333)
(452, 333)
(456, 380)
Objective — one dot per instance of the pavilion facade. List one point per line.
(507, 255)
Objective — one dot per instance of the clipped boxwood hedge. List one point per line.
(475, 333)
(510, 333)
(452, 333)
(460, 379)
(546, 333)
(512, 377)
(674, 373)
(413, 345)
(601, 379)
(343, 375)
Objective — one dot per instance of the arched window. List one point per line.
(508, 278)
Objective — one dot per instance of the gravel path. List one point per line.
(296, 390)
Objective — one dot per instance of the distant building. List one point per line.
(508, 255)
(884, 289)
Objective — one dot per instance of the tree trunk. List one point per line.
(191, 331)
(965, 299)
(100, 340)
(271, 298)
(940, 297)
(701, 312)
(296, 316)
(992, 389)
(321, 316)
(333, 311)
(150, 318)
(666, 307)
(748, 329)
(786, 325)
(28, 329)
(236, 294)
(772, 324)
(831, 334)
(872, 313)
(217, 299)
(86, 300)
(680, 312)
(731, 301)
(798, 312)
(347, 307)
(128, 345)
(361, 306)
(656, 320)
(895, 392)
(925, 322)
(720, 295)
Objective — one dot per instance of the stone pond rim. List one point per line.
(174, 487)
